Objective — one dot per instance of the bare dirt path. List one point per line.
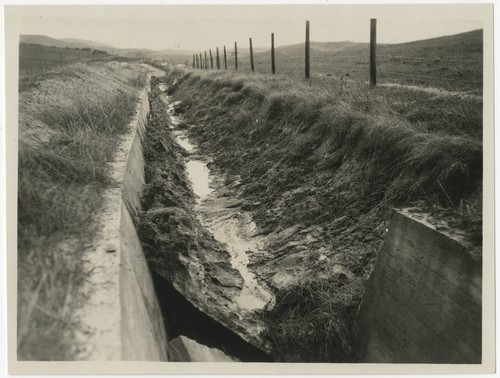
(434, 91)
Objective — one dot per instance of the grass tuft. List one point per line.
(315, 316)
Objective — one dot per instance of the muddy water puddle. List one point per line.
(235, 229)
(218, 214)
(183, 141)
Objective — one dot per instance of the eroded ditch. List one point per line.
(200, 237)
(214, 298)
(318, 226)
(217, 213)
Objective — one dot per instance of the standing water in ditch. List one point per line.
(218, 213)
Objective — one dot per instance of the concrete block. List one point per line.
(183, 349)
(120, 318)
(423, 302)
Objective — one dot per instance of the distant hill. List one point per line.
(34, 56)
(460, 46)
(246, 50)
(61, 43)
(172, 55)
(317, 47)
(464, 41)
(463, 46)
(86, 43)
(42, 40)
(453, 62)
(156, 53)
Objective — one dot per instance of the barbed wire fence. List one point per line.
(372, 64)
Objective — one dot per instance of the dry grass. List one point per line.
(68, 127)
(311, 322)
(319, 125)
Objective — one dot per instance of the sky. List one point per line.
(199, 27)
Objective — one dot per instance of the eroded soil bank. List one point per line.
(196, 242)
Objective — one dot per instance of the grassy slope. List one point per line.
(338, 158)
(451, 62)
(71, 43)
(33, 56)
(68, 125)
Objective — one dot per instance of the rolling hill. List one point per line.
(453, 62)
(35, 57)
(86, 43)
(61, 43)
(176, 56)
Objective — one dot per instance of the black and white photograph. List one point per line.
(256, 188)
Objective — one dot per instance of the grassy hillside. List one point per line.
(82, 43)
(337, 160)
(451, 62)
(36, 39)
(72, 43)
(68, 127)
(43, 51)
(35, 58)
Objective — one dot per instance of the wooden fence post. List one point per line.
(235, 56)
(225, 58)
(373, 52)
(206, 61)
(307, 50)
(193, 62)
(251, 56)
(211, 59)
(218, 60)
(273, 63)
(196, 60)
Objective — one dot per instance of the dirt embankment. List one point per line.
(319, 170)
